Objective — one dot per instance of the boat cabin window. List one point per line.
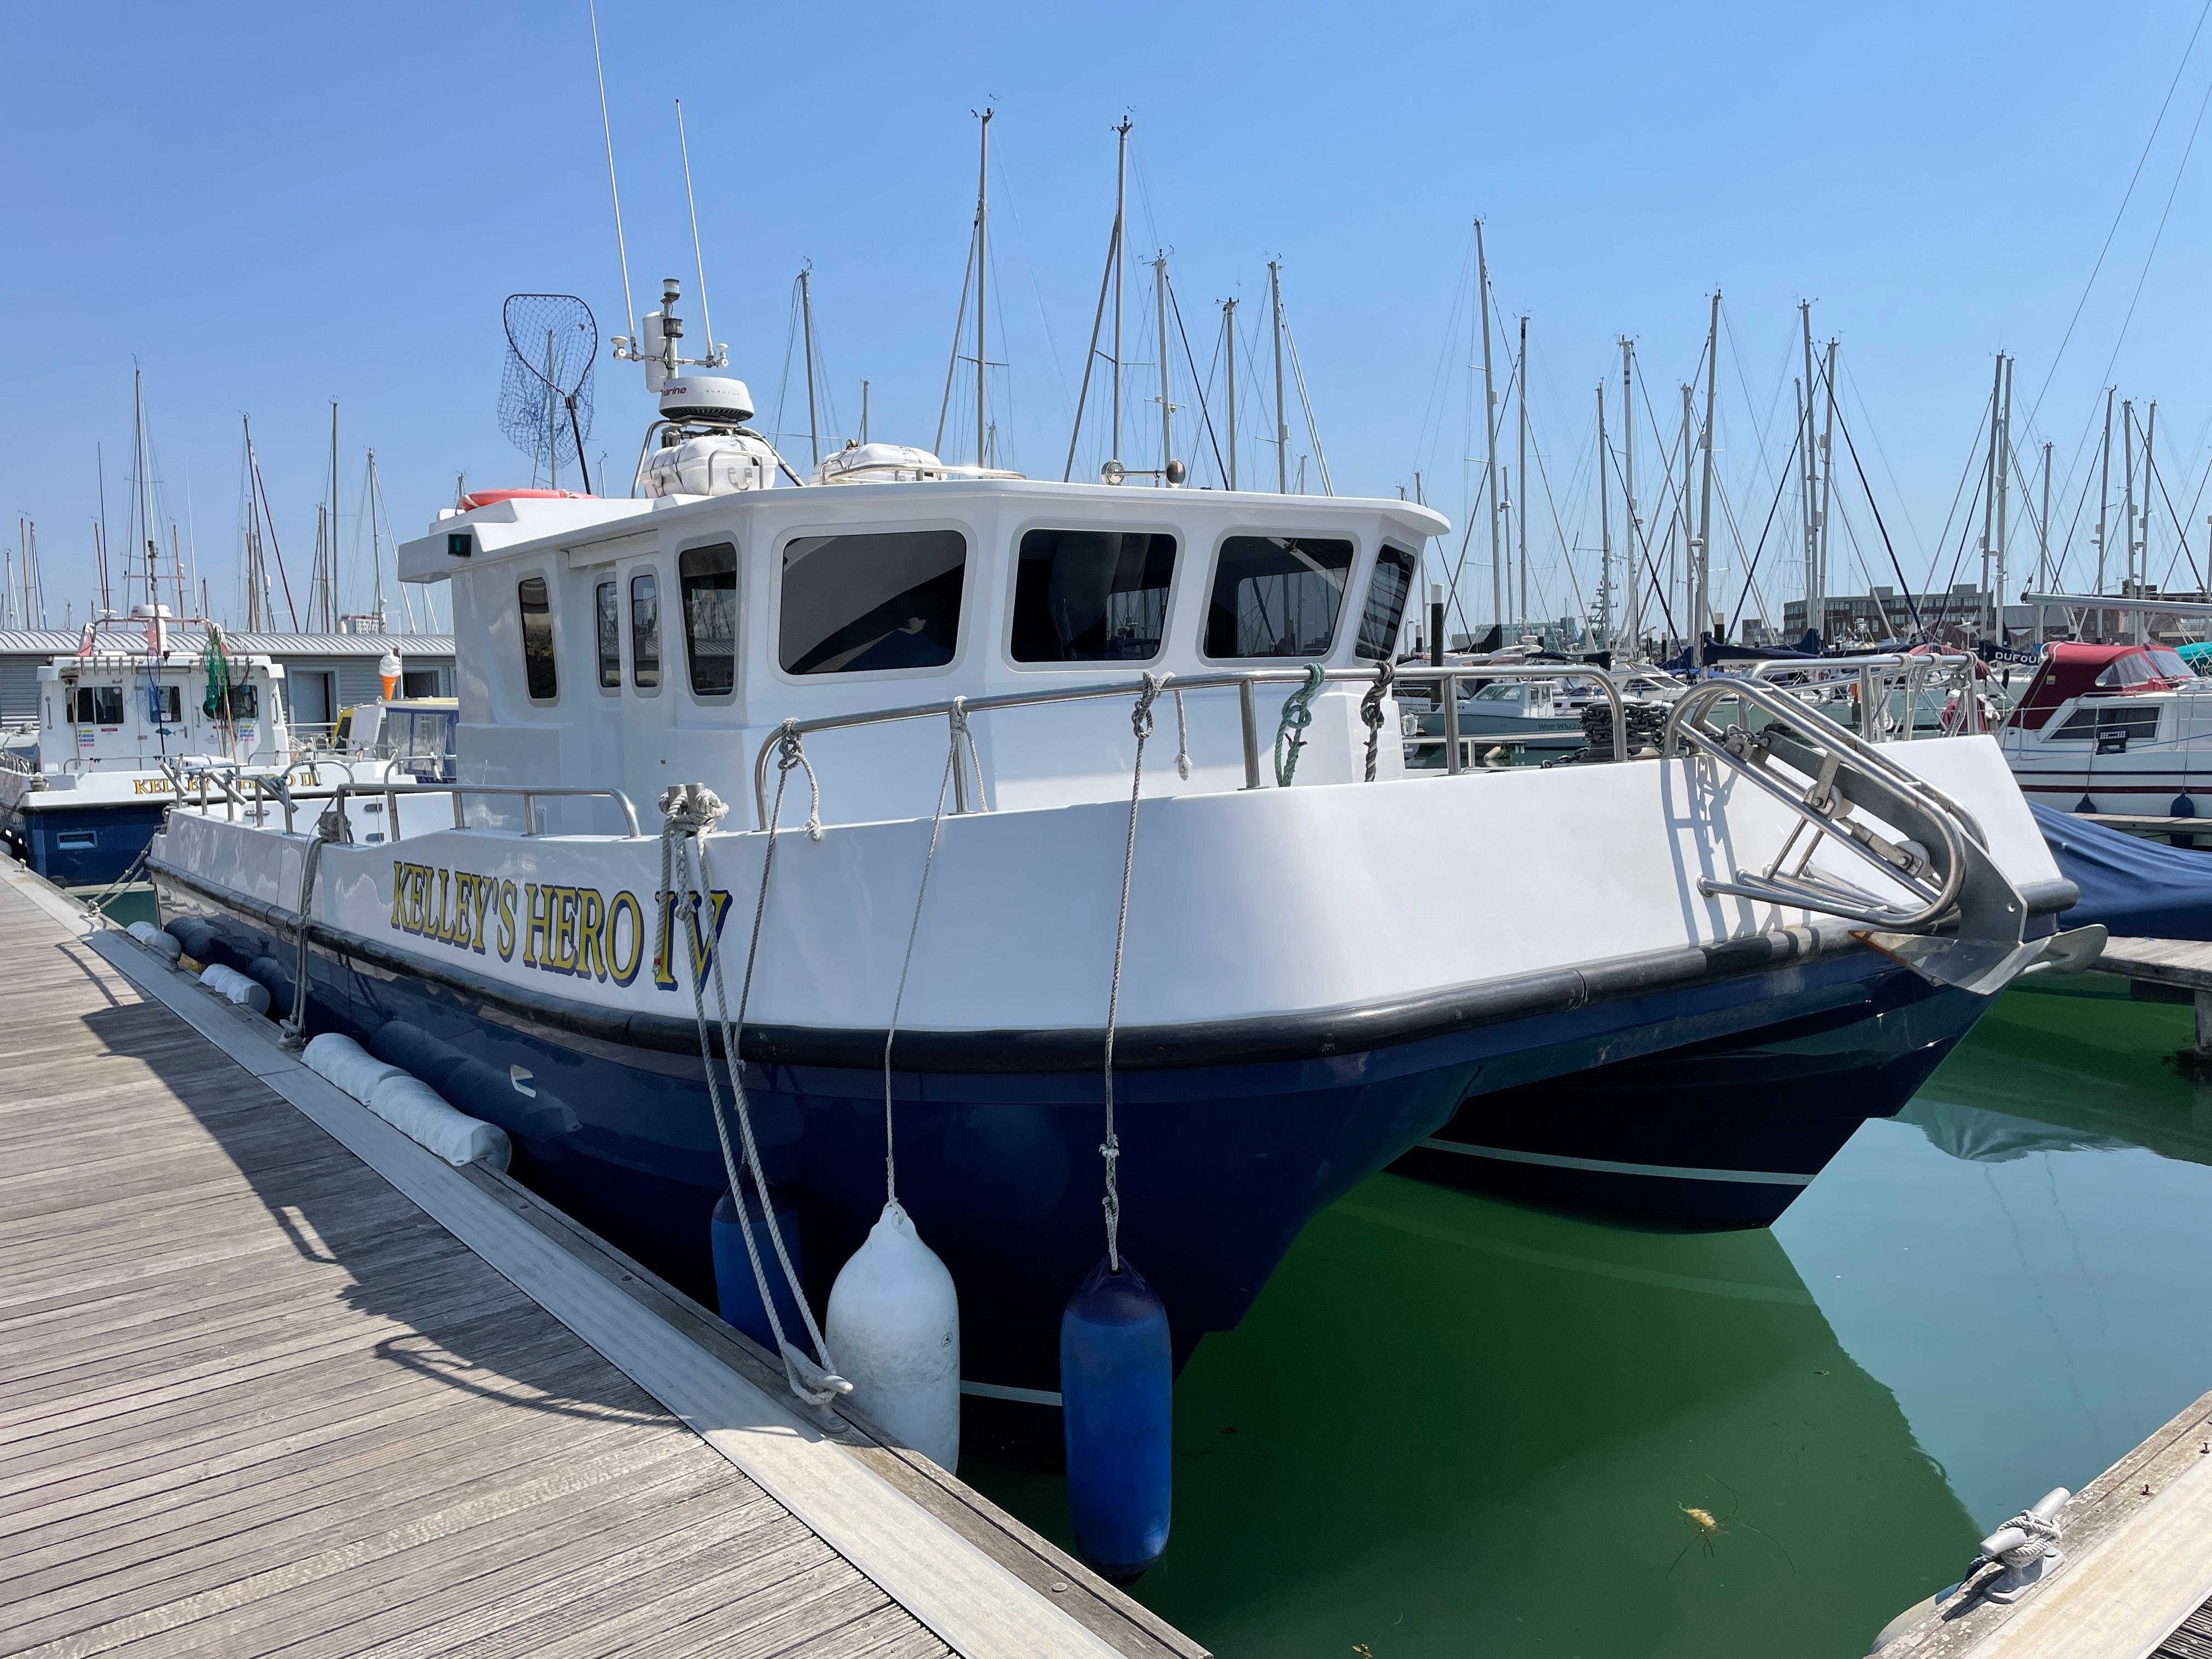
(708, 576)
(607, 627)
(537, 666)
(2138, 668)
(2169, 664)
(99, 705)
(1276, 596)
(1503, 692)
(1091, 595)
(2138, 720)
(245, 703)
(165, 705)
(645, 631)
(1385, 605)
(859, 604)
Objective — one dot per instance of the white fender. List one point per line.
(230, 983)
(155, 939)
(894, 1331)
(349, 1064)
(420, 1112)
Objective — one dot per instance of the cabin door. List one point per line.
(311, 699)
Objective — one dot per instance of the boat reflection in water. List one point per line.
(1456, 1424)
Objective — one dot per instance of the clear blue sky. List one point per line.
(275, 206)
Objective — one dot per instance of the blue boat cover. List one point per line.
(2138, 888)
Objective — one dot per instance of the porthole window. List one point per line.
(708, 576)
(538, 670)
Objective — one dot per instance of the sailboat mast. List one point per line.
(1604, 531)
(1229, 357)
(2043, 538)
(1701, 606)
(2004, 506)
(1629, 523)
(1282, 426)
(1827, 489)
(2127, 495)
(1521, 526)
(1489, 431)
(806, 327)
(1167, 409)
(375, 544)
(1679, 583)
(138, 470)
(2142, 565)
(1120, 208)
(99, 464)
(2104, 487)
(1808, 469)
(1989, 483)
(982, 273)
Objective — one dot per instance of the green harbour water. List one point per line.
(1454, 1426)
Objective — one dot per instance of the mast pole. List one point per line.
(1604, 531)
(1629, 522)
(99, 464)
(1490, 431)
(1282, 426)
(375, 545)
(1827, 484)
(1167, 409)
(2104, 487)
(2004, 506)
(1229, 352)
(807, 325)
(1678, 584)
(1989, 483)
(1808, 476)
(138, 469)
(2127, 495)
(2142, 568)
(864, 411)
(1115, 253)
(982, 274)
(1520, 511)
(1705, 560)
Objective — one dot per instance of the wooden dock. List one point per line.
(275, 1378)
(2137, 1582)
(2180, 964)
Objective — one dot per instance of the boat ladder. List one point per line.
(1960, 923)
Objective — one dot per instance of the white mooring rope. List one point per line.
(689, 812)
(1140, 722)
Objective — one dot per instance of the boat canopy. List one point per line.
(2074, 669)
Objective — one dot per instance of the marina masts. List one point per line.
(1629, 522)
(1167, 409)
(1604, 532)
(1807, 474)
(807, 330)
(1229, 355)
(1490, 431)
(982, 274)
(1700, 607)
(1521, 516)
(2104, 487)
(1827, 493)
(1282, 426)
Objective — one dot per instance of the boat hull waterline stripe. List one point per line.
(1608, 1166)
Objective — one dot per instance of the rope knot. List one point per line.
(1140, 717)
(692, 808)
(791, 752)
(1370, 710)
(1298, 714)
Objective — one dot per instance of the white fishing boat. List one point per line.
(1061, 819)
(2114, 728)
(115, 718)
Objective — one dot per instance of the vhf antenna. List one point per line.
(622, 252)
(717, 356)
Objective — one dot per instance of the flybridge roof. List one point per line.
(529, 525)
(129, 635)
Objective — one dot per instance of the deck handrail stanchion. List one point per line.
(1448, 690)
(1248, 717)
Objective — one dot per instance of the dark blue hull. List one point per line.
(1222, 1164)
(1720, 1133)
(83, 846)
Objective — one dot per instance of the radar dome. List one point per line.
(715, 397)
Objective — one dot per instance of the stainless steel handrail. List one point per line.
(1823, 807)
(1243, 680)
(1869, 672)
(223, 778)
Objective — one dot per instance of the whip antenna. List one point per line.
(622, 252)
(545, 387)
(717, 356)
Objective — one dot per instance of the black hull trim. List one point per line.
(1318, 1034)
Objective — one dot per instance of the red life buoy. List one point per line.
(476, 498)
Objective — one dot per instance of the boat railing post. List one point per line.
(529, 812)
(1248, 715)
(1448, 690)
(460, 814)
(1870, 723)
(959, 762)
